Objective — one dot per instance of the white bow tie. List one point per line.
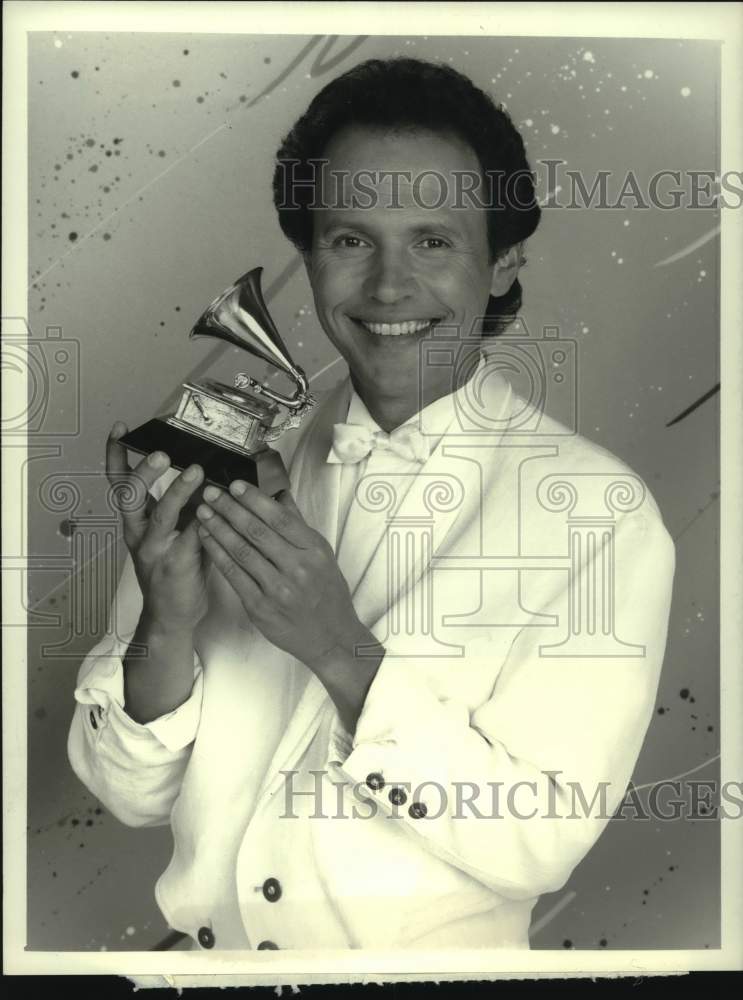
(353, 442)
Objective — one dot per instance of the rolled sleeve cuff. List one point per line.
(403, 733)
(103, 689)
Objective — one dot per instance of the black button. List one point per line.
(268, 946)
(375, 781)
(398, 797)
(418, 810)
(206, 937)
(93, 723)
(272, 889)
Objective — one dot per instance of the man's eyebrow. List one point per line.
(360, 222)
(440, 226)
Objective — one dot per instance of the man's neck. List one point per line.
(392, 411)
(389, 412)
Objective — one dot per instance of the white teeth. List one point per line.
(396, 329)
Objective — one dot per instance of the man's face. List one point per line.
(382, 274)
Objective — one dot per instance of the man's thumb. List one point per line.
(285, 498)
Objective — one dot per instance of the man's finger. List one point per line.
(246, 588)
(164, 516)
(283, 517)
(187, 545)
(128, 494)
(116, 463)
(241, 549)
(132, 486)
(258, 532)
(285, 498)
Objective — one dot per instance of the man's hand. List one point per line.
(284, 572)
(169, 563)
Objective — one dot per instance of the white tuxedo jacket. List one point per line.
(521, 587)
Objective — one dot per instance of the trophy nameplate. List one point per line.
(227, 429)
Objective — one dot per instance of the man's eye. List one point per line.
(349, 242)
(433, 243)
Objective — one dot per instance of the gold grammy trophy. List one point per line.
(227, 429)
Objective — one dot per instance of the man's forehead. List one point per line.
(397, 148)
(405, 218)
(428, 190)
(406, 167)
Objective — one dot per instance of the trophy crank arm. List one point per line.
(293, 420)
(297, 402)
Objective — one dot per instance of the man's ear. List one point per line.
(506, 269)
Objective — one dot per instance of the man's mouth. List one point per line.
(401, 329)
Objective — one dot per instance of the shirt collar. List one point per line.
(433, 420)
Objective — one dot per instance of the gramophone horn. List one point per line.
(240, 316)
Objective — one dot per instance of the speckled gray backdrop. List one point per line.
(149, 191)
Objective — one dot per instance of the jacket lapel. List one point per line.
(446, 491)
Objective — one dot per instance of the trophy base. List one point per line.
(264, 469)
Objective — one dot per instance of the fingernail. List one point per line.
(118, 429)
(203, 532)
(204, 512)
(157, 459)
(238, 488)
(211, 493)
(191, 473)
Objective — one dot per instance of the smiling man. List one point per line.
(369, 707)
(384, 275)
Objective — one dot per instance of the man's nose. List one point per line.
(391, 278)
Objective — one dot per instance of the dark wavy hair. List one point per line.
(413, 94)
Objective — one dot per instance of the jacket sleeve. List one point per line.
(135, 770)
(516, 791)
